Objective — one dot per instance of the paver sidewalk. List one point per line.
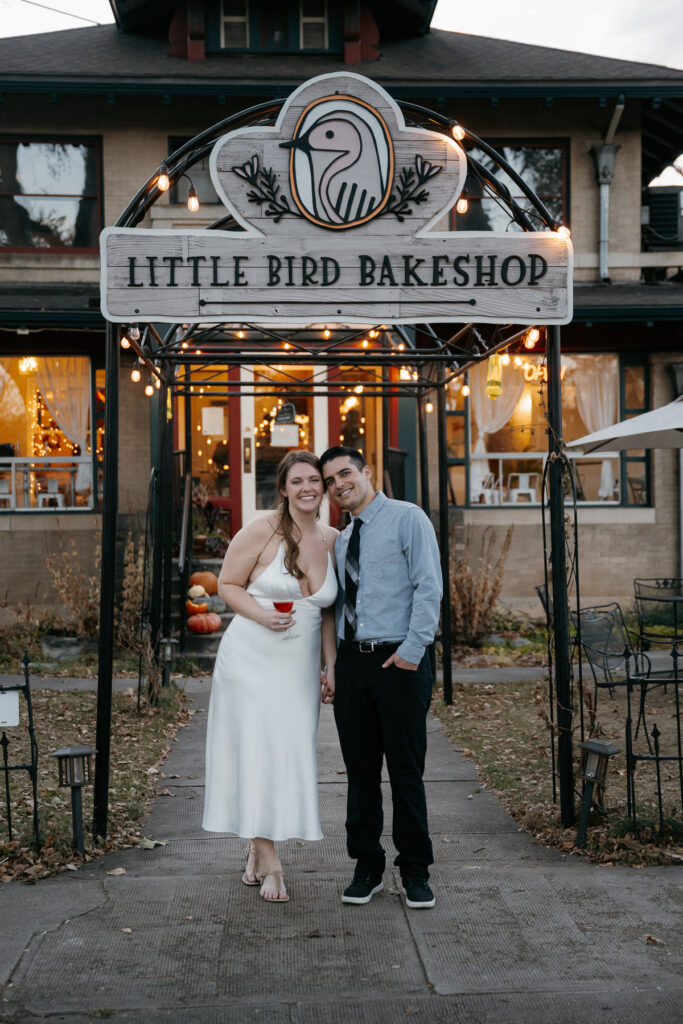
(519, 933)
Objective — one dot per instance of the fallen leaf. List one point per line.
(117, 871)
(165, 792)
(190, 917)
(128, 931)
(652, 941)
(152, 771)
(71, 867)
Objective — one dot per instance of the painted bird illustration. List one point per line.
(344, 176)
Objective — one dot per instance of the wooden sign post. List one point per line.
(343, 210)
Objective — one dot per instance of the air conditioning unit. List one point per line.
(663, 217)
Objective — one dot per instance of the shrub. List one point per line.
(475, 583)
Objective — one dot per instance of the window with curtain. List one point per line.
(48, 430)
(49, 194)
(508, 439)
(541, 164)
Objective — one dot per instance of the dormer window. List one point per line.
(313, 25)
(235, 25)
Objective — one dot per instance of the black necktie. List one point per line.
(351, 574)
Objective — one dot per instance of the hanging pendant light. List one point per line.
(494, 377)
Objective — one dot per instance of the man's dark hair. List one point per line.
(339, 451)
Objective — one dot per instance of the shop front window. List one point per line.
(49, 194)
(508, 434)
(46, 432)
(281, 423)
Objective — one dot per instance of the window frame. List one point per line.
(557, 142)
(77, 140)
(303, 20)
(241, 19)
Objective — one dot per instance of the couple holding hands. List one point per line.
(364, 603)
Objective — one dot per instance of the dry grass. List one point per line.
(503, 728)
(475, 583)
(140, 742)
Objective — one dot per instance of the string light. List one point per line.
(326, 333)
(462, 205)
(429, 407)
(192, 200)
(135, 375)
(404, 373)
(401, 346)
(532, 337)
(505, 359)
(149, 389)
(157, 383)
(563, 231)
(134, 332)
(358, 389)
(163, 181)
(465, 390)
(365, 342)
(124, 341)
(458, 132)
(240, 334)
(28, 365)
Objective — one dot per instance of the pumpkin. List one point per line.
(208, 580)
(196, 607)
(216, 604)
(208, 622)
(196, 591)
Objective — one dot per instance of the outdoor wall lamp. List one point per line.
(596, 754)
(75, 771)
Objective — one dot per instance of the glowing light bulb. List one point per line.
(519, 361)
(326, 333)
(184, 345)
(287, 345)
(462, 205)
(135, 375)
(401, 347)
(149, 390)
(157, 383)
(358, 389)
(365, 343)
(240, 334)
(563, 231)
(458, 132)
(192, 200)
(429, 407)
(124, 341)
(163, 181)
(404, 373)
(465, 390)
(134, 333)
(505, 359)
(373, 334)
(532, 337)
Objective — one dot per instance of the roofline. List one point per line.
(627, 314)
(655, 89)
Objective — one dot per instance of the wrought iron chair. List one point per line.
(613, 658)
(658, 602)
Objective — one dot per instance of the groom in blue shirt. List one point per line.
(387, 613)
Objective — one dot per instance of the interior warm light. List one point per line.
(563, 231)
(163, 181)
(532, 337)
(365, 343)
(404, 373)
(135, 375)
(287, 345)
(192, 200)
(458, 132)
(184, 345)
(28, 365)
(358, 389)
(505, 359)
(326, 333)
(157, 383)
(240, 334)
(429, 407)
(462, 205)
(401, 347)
(518, 361)
(465, 390)
(373, 334)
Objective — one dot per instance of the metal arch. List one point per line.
(451, 358)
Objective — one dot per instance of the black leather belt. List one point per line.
(368, 646)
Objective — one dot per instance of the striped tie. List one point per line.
(351, 574)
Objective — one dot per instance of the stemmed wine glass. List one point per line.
(284, 606)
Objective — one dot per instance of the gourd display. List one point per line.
(196, 591)
(216, 604)
(208, 622)
(196, 606)
(208, 580)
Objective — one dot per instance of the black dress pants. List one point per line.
(381, 712)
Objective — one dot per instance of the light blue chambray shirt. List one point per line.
(400, 585)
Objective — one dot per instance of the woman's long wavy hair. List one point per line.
(287, 527)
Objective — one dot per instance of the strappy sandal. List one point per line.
(278, 875)
(255, 880)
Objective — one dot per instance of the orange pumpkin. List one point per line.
(208, 580)
(209, 622)
(196, 607)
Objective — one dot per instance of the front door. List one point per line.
(276, 418)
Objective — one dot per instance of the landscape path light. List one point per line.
(594, 758)
(75, 771)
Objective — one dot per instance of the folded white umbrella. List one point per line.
(660, 428)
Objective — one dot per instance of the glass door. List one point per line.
(276, 418)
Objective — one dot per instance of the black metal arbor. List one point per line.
(434, 362)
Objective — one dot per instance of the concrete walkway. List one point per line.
(519, 933)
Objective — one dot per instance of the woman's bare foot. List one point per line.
(268, 870)
(273, 889)
(250, 876)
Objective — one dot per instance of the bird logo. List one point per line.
(341, 162)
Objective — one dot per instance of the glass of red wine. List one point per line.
(284, 606)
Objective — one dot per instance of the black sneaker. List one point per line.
(417, 893)
(362, 888)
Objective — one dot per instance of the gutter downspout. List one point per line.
(604, 157)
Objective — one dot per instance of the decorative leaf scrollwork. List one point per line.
(410, 190)
(265, 189)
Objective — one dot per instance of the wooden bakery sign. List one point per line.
(342, 210)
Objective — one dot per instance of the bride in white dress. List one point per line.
(261, 777)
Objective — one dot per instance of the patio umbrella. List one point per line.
(660, 428)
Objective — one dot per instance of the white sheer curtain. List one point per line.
(490, 414)
(597, 393)
(64, 383)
